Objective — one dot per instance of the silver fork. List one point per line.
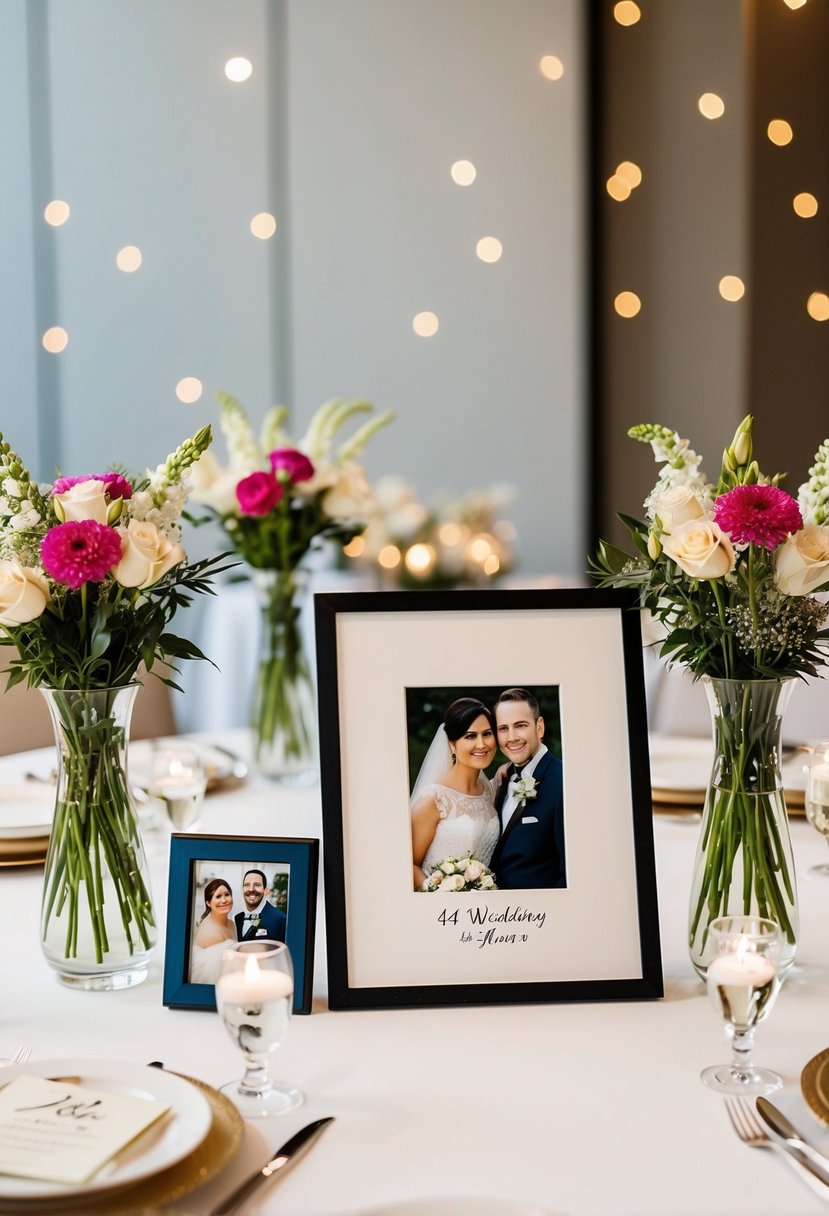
(751, 1131)
(22, 1055)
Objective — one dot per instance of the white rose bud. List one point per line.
(85, 500)
(701, 549)
(654, 546)
(487, 882)
(801, 564)
(677, 506)
(146, 555)
(24, 593)
(448, 867)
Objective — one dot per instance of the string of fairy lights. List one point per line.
(627, 176)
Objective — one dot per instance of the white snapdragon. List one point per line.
(163, 511)
(11, 486)
(242, 448)
(813, 495)
(24, 520)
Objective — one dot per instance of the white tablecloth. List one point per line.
(581, 1108)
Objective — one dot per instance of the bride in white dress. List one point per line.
(215, 932)
(452, 804)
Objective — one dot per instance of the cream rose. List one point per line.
(801, 563)
(677, 506)
(487, 882)
(701, 549)
(351, 496)
(145, 555)
(215, 486)
(474, 870)
(24, 593)
(453, 883)
(86, 500)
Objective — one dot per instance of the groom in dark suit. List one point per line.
(260, 918)
(530, 799)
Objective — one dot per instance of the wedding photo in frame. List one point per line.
(486, 798)
(224, 889)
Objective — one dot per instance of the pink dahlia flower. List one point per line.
(296, 464)
(117, 486)
(759, 515)
(81, 551)
(259, 493)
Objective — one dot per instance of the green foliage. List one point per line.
(100, 638)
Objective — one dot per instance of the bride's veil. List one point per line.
(437, 760)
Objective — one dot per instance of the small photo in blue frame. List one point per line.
(224, 889)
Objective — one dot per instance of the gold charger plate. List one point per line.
(694, 800)
(814, 1085)
(217, 1149)
(24, 851)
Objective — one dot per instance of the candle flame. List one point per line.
(251, 968)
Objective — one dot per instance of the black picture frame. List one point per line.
(187, 851)
(384, 947)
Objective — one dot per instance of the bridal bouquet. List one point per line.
(91, 572)
(730, 571)
(276, 500)
(460, 874)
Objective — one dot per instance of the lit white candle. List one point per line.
(177, 785)
(253, 987)
(818, 784)
(749, 970)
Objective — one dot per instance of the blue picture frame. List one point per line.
(301, 856)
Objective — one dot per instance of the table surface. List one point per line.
(580, 1108)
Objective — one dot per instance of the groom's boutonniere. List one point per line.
(526, 788)
(256, 920)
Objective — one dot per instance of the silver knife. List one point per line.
(283, 1157)
(785, 1131)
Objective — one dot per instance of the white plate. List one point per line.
(456, 1205)
(165, 1142)
(683, 765)
(26, 810)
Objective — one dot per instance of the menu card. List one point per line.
(58, 1132)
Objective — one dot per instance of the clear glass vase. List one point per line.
(284, 709)
(744, 862)
(98, 927)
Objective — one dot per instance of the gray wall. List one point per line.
(346, 131)
(384, 96)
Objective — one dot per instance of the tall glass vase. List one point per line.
(284, 710)
(98, 927)
(744, 861)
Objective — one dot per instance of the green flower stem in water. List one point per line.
(283, 707)
(95, 882)
(744, 857)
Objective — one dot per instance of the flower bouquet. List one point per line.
(729, 571)
(460, 874)
(91, 572)
(275, 501)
